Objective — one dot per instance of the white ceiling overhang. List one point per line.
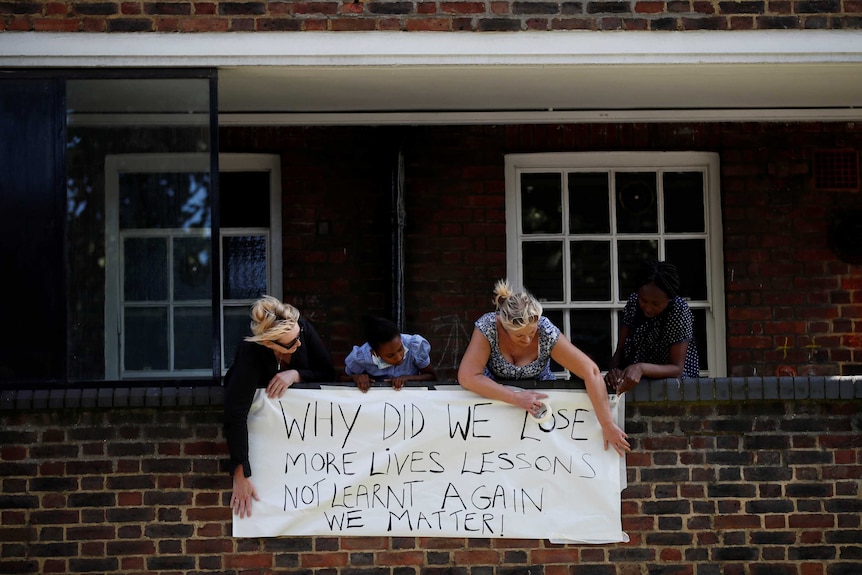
(397, 78)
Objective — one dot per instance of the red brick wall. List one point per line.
(767, 487)
(423, 15)
(785, 290)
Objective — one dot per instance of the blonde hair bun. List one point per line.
(502, 292)
(515, 309)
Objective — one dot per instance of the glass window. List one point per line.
(623, 209)
(245, 260)
(135, 256)
(250, 208)
(683, 202)
(591, 331)
(138, 244)
(590, 262)
(163, 226)
(589, 209)
(636, 202)
(541, 203)
(140, 230)
(162, 219)
(543, 268)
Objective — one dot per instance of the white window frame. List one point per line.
(155, 163)
(515, 164)
(256, 163)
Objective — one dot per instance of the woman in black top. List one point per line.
(284, 349)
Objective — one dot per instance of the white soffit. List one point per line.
(470, 77)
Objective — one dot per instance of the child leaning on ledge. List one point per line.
(389, 355)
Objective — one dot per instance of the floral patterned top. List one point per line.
(499, 368)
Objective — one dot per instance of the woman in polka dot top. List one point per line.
(657, 332)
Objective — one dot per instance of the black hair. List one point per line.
(663, 274)
(379, 330)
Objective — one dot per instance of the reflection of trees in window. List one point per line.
(85, 245)
(86, 149)
(541, 203)
(165, 201)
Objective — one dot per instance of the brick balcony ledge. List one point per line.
(648, 391)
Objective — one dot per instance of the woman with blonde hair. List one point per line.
(283, 349)
(516, 342)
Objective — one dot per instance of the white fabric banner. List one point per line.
(434, 463)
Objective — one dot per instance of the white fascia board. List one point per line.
(323, 49)
(549, 117)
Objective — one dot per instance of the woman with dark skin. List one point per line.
(656, 333)
(283, 349)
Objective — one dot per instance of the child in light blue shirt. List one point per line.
(389, 355)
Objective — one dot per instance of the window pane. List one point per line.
(637, 211)
(145, 269)
(164, 200)
(543, 270)
(244, 199)
(683, 202)
(618, 216)
(589, 208)
(632, 255)
(689, 257)
(192, 272)
(591, 271)
(193, 344)
(541, 203)
(88, 96)
(146, 339)
(244, 274)
(236, 327)
(591, 332)
(700, 337)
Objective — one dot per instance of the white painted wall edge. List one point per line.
(477, 118)
(549, 117)
(45, 49)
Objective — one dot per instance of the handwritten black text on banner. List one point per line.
(429, 463)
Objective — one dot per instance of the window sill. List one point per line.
(747, 389)
(648, 391)
(26, 399)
